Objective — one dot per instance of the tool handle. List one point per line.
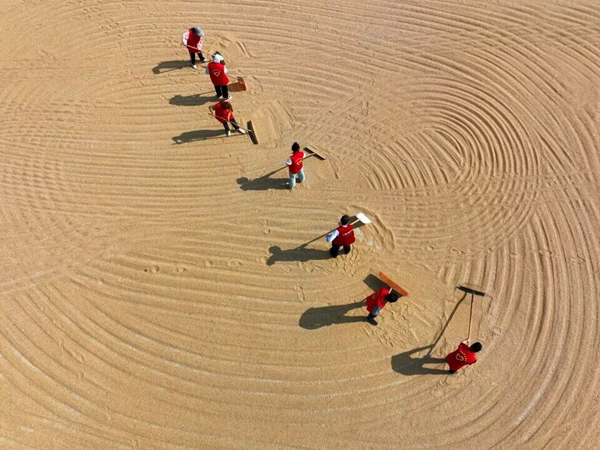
(470, 318)
(211, 113)
(197, 50)
(241, 128)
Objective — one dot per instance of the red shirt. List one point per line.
(223, 115)
(217, 74)
(460, 357)
(296, 159)
(377, 298)
(346, 236)
(192, 42)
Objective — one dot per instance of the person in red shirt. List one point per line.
(463, 355)
(295, 166)
(342, 236)
(223, 112)
(377, 301)
(218, 75)
(193, 40)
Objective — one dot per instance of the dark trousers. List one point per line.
(222, 91)
(234, 123)
(335, 249)
(193, 56)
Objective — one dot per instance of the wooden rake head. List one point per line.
(252, 133)
(471, 290)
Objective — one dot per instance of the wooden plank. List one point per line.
(252, 133)
(314, 152)
(241, 83)
(387, 280)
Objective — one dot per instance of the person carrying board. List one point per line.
(193, 40)
(377, 301)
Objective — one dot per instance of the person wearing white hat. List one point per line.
(218, 75)
(193, 40)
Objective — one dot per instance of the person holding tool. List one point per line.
(377, 301)
(295, 167)
(342, 236)
(193, 40)
(463, 355)
(223, 112)
(218, 75)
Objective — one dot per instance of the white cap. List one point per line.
(217, 58)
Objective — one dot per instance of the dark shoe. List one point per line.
(334, 255)
(371, 320)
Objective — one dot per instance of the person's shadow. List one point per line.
(263, 183)
(301, 254)
(192, 100)
(315, 318)
(168, 66)
(405, 364)
(199, 135)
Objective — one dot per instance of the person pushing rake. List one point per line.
(193, 40)
(465, 353)
(342, 236)
(223, 112)
(295, 166)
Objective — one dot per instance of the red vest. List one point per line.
(460, 357)
(296, 165)
(377, 299)
(217, 74)
(192, 42)
(346, 236)
(223, 115)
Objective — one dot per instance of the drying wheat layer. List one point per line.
(162, 288)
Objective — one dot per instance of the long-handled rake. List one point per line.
(360, 217)
(249, 130)
(313, 152)
(473, 293)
